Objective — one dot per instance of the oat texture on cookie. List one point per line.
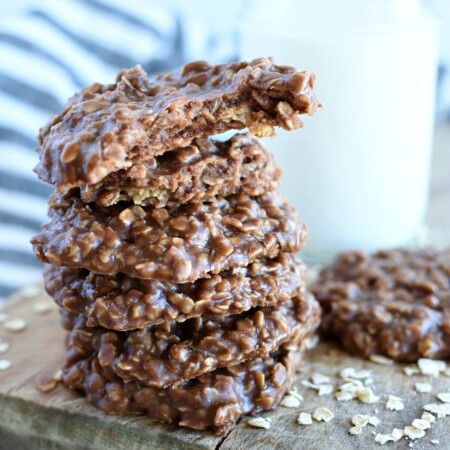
(170, 253)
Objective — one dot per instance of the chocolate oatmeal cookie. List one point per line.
(174, 244)
(121, 303)
(394, 302)
(105, 128)
(172, 352)
(216, 399)
(204, 170)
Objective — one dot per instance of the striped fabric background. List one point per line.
(49, 50)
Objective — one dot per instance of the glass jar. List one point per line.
(358, 173)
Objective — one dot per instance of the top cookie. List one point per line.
(105, 128)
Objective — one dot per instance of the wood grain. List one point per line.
(63, 419)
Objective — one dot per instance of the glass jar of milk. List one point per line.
(358, 172)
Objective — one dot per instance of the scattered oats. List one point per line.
(395, 403)
(304, 419)
(368, 382)
(294, 393)
(366, 395)
(344, 396)
(361, 420)
(350, 372)
(58, 375)
(289, 401)
(435, 441)
(15, 325)
(44, 307)
(422, 388)
(397, 434)
(444, 397)
(440, 410)
(357, 429)
(414, 433)
(318, 378)
(380, 359)
(3, 317)
(314, 341)
(347, 372)
(374, 421)
(5, 364)
(259, 422)
(410, 370)
(323, 414)
(4, 346)
(325, 389)
(322, 389)
(421, 424)
(428, 417)
(45, 383)
(383, 438)
(31, 291)
(431, 367)
(351, 386)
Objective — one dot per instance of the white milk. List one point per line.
(358, 172)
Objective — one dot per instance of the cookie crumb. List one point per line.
(304, 419)
(259, 422)
(435, 441)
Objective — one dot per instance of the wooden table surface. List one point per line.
(63, 419)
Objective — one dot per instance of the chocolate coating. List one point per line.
(178, 244)
(105, 128)
(118, 302)
(216, 399)
(172, 352)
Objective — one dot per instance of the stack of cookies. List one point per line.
(170, 253)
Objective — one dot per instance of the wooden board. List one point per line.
(62, 419)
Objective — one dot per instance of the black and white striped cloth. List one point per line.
(51, 49)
